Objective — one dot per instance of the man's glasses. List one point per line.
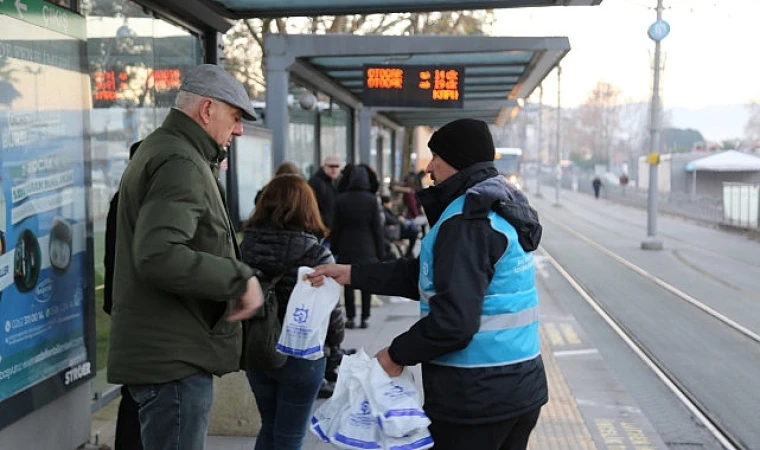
(334, 166)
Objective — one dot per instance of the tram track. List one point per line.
(664, 284)
(711, 421)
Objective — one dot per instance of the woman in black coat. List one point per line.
(357, 234)
(282, 235)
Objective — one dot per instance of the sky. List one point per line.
(708, 57)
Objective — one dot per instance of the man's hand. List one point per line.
(390, 367)
(249, 302)
(340, 272)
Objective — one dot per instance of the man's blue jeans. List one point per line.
(174, 415)
(285, 398)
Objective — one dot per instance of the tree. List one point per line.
(244, 42)
(8, 92)
(243, 51)
(599, 118)
(752, 128)
(679, 140)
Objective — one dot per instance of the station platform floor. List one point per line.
(587, 409)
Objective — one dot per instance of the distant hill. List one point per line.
(716, 123)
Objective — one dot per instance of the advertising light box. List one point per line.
(46, 320)
(413, 86)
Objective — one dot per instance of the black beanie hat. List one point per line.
(463, 142)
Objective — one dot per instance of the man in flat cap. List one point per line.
(477, 339)
(179, 289)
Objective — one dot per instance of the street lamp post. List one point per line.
(657, 33)
(538, 139)
(558, 170)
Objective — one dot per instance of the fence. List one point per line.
(706, 209)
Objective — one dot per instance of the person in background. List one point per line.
(406, 229)
(597, 185)
(284, 168)
(357, 233)
(127, 418)
(323, 183)
(477, 337)
(282, 235)
(179, 288)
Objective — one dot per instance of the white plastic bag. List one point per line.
(324, 420)
(357, 426)
(395, 401)
(419, 439)
(307, 317)
(351, 418)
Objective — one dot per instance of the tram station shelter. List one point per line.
(81, 80)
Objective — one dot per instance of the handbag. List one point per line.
(261, 332)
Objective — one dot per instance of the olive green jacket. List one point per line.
(177, 272)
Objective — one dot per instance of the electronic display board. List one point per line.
(46, 293)
(413, 86)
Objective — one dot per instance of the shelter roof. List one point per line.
(497, 70)
(238, 9)
(727, 161)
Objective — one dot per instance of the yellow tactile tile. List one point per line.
(561, 425)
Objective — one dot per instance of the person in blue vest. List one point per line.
(477, 337)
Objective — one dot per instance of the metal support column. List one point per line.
(277, 117)
(538, 139)
(558, 169)
(213, 48)
(394, 148)
(365, 135)
(652, 242)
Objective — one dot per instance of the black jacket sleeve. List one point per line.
(110, 254)
(399, 277)
(336, 330)
(336, 230)
(465, 253)
(378, 233)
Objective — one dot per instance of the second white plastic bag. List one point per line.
(394, 401)
(307, 317)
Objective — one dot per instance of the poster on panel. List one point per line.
(44, 262)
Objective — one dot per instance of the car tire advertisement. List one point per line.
(46, 322)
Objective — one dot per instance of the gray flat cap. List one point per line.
(210, 80)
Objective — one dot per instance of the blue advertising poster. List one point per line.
(44, 92)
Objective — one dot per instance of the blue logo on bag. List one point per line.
(300, 315)
(365, 407)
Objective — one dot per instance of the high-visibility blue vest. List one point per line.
(508, 331)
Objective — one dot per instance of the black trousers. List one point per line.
(127, 424)
(511, 434)
(348, 294)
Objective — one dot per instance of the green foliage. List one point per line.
(586, 164)
(679, 140)
(243, 43)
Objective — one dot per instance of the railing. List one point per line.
(705, 209)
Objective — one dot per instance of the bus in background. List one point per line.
(507, 161)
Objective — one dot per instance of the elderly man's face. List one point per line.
(225, 122)
(332, 169)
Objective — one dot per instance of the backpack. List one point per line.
(262, 331)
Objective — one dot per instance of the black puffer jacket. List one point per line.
(357, 232)
(275, 251)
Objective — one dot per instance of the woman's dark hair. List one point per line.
(287, 168)
(288, 203)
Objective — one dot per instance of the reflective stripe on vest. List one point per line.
(508, 331)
